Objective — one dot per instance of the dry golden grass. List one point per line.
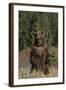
(25, 73)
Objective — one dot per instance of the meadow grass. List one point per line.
(25, 73)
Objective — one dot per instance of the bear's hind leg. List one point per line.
(32, 68)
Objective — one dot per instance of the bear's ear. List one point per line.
(42, 33)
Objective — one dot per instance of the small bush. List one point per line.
(53, 56)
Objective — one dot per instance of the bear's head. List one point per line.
(39, 38)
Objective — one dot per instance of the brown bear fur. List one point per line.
(39, 54)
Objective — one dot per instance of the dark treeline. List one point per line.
(30, 22)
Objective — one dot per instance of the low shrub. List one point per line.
(53, 56)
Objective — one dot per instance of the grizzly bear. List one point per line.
(39, 54)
